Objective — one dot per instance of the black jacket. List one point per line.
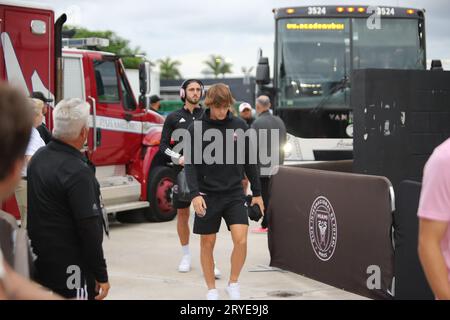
(179, 119)
(219, 178)
(65, 221)
(44, 133)
(267, 121)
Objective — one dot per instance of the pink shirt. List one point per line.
(435, 196)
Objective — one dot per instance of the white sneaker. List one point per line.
(217, 273)
(185, 264)
(234, 291)
(213, 294)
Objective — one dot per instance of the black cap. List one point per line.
(39, 95)
(155, 98)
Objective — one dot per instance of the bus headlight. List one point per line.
(349, 130)
(287, 149)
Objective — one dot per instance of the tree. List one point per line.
(117, 45)
(169, 68)
(217, 65)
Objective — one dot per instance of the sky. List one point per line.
(191, 30)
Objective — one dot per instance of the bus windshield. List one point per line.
(315, 57)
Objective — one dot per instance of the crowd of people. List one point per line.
(63, 215)
(59, 197)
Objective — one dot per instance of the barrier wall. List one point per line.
(333, 227)
(400, 116)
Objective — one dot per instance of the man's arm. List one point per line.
(252, 173)
(190, 169)
(430, 235)
(252, 169)
(166, 136)
(189, 166)
(84, 202)
(91, 231)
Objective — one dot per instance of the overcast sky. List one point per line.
(191, 30)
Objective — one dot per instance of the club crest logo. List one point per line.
(323, 228)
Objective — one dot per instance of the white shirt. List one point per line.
(34, 145)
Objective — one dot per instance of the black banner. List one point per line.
(400, 116)
(333, 227)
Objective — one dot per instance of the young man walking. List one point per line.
(191, 92)
(216, 186)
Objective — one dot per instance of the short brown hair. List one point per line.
(219, 95)
(16, 121)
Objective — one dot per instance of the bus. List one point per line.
(316, 50)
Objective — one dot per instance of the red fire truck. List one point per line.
(124, 136)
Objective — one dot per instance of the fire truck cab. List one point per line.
(124, 133)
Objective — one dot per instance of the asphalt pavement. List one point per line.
(143, 260)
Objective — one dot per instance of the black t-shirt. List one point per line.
(65, 220)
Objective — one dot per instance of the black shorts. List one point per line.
(231, 208)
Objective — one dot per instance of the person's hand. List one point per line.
(181, 161)
(259, 201)
(102, 289)
(199, 205)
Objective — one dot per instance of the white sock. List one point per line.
(186, 250)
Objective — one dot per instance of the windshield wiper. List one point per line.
(341, 85)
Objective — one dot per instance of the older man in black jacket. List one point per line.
(271, 149)
(65, 218)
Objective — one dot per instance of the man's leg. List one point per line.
(183, 235)
(183, 225)
(239, 236)
(22, 202)
(265, 183)
(207, 242)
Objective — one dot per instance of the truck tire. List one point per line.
(159, 194)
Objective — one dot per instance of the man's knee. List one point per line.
(183, 214)
(207, 241)
(240, 241)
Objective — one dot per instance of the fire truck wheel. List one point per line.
(159, 193)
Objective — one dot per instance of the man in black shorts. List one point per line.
(216, 184)
(191, 92)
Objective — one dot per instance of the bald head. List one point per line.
(262, 104)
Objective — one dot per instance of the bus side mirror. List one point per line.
(263, 71)
(436, 65)
(144, 84)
